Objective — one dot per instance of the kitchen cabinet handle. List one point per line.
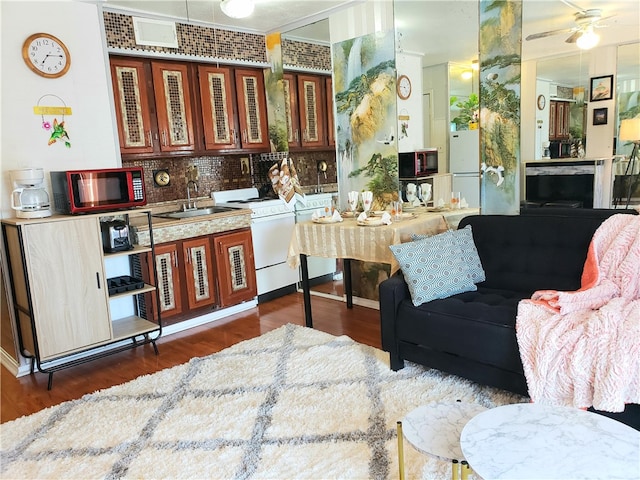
(175, 259)
(305, 137)
(188, 255)
(98, 280)
(150, 138)
(297, 135)
(244, 136)
(164, 138)
(235, 136)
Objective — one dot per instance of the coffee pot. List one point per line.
(29, 199)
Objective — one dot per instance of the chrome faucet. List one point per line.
(190, 205)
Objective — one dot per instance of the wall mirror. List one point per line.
(562, 85)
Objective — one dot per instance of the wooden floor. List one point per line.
(29, 394)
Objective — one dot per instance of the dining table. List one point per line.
(349, 238)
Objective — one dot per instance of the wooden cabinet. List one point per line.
(192, 276)
(217, 107)
(62, 295)
(167, 266)
(153, 106)
(236, 268)
(307, 105)
(133, 112)
(233, 121)
(199, 272)
(173, 106)
(252, 110)
(558, 120)
(331, 132)
(186, 276)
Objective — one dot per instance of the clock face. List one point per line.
(404, 87)
(161, 177)
(46, 55)
(542, 101)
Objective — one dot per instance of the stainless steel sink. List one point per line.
(194, 213)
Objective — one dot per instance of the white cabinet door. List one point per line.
(67, 284)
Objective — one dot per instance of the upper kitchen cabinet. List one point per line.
(306, 102)
(173, 106)
(331, 134)
(145, 126)
(558, 120)
(130, 86)
(217, 107)
(252, 110)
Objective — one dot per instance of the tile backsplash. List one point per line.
(216, 173)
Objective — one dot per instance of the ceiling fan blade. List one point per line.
(535, 36)
(573, 37)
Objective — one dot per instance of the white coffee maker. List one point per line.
(29, 199)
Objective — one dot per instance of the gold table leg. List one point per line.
(455, 470)
(400, 450)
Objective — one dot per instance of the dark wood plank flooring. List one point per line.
(29, 394)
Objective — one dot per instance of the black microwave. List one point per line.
(420, 163)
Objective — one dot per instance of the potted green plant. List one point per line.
(468, 114)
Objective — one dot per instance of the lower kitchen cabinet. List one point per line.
(191, 277)
(62, 295)
(236, 268)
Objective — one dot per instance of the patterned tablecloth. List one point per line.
(347, 239)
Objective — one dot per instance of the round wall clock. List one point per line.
(542, 101)
(161, 177)
(46, 55)
(403, 87)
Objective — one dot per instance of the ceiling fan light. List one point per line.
(237, 8)
(588, 39)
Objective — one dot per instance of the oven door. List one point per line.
(271, 237)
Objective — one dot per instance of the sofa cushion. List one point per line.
(433, 267)
(471, 261)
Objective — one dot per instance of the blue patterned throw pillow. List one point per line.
(464, 239)
(436, 267)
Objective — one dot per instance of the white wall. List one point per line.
(85, 88)
(436, 80)
(600, 137)
(411, 65)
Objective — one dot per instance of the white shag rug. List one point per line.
(293, 403)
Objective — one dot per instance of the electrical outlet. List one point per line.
(244, 166)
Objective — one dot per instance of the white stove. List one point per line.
(271, 222)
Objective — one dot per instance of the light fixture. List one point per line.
(475, 65)
(588, 39)
(466, 75)
(630, 132)
(237, 8)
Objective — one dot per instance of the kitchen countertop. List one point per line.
(174, 229)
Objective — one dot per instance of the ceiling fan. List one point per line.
(583, 32)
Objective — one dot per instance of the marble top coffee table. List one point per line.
(435, 428)
(535, 441)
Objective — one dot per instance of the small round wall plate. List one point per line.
(161, 177)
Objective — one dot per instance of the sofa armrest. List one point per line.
(392, 292)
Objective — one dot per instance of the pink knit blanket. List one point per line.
(582, 348)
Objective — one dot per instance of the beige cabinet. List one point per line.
(153, 106)
(67, 284)
(62, 297)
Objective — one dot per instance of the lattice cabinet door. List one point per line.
(310, 97)
(236, 268)
(291, 109)
(331, 135)
(132, 105)
(167, 266)
(199, 272)
(252, 111)
(173, 106)
(217, 108)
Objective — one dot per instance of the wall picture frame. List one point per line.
(600, 116)
(601, 88)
